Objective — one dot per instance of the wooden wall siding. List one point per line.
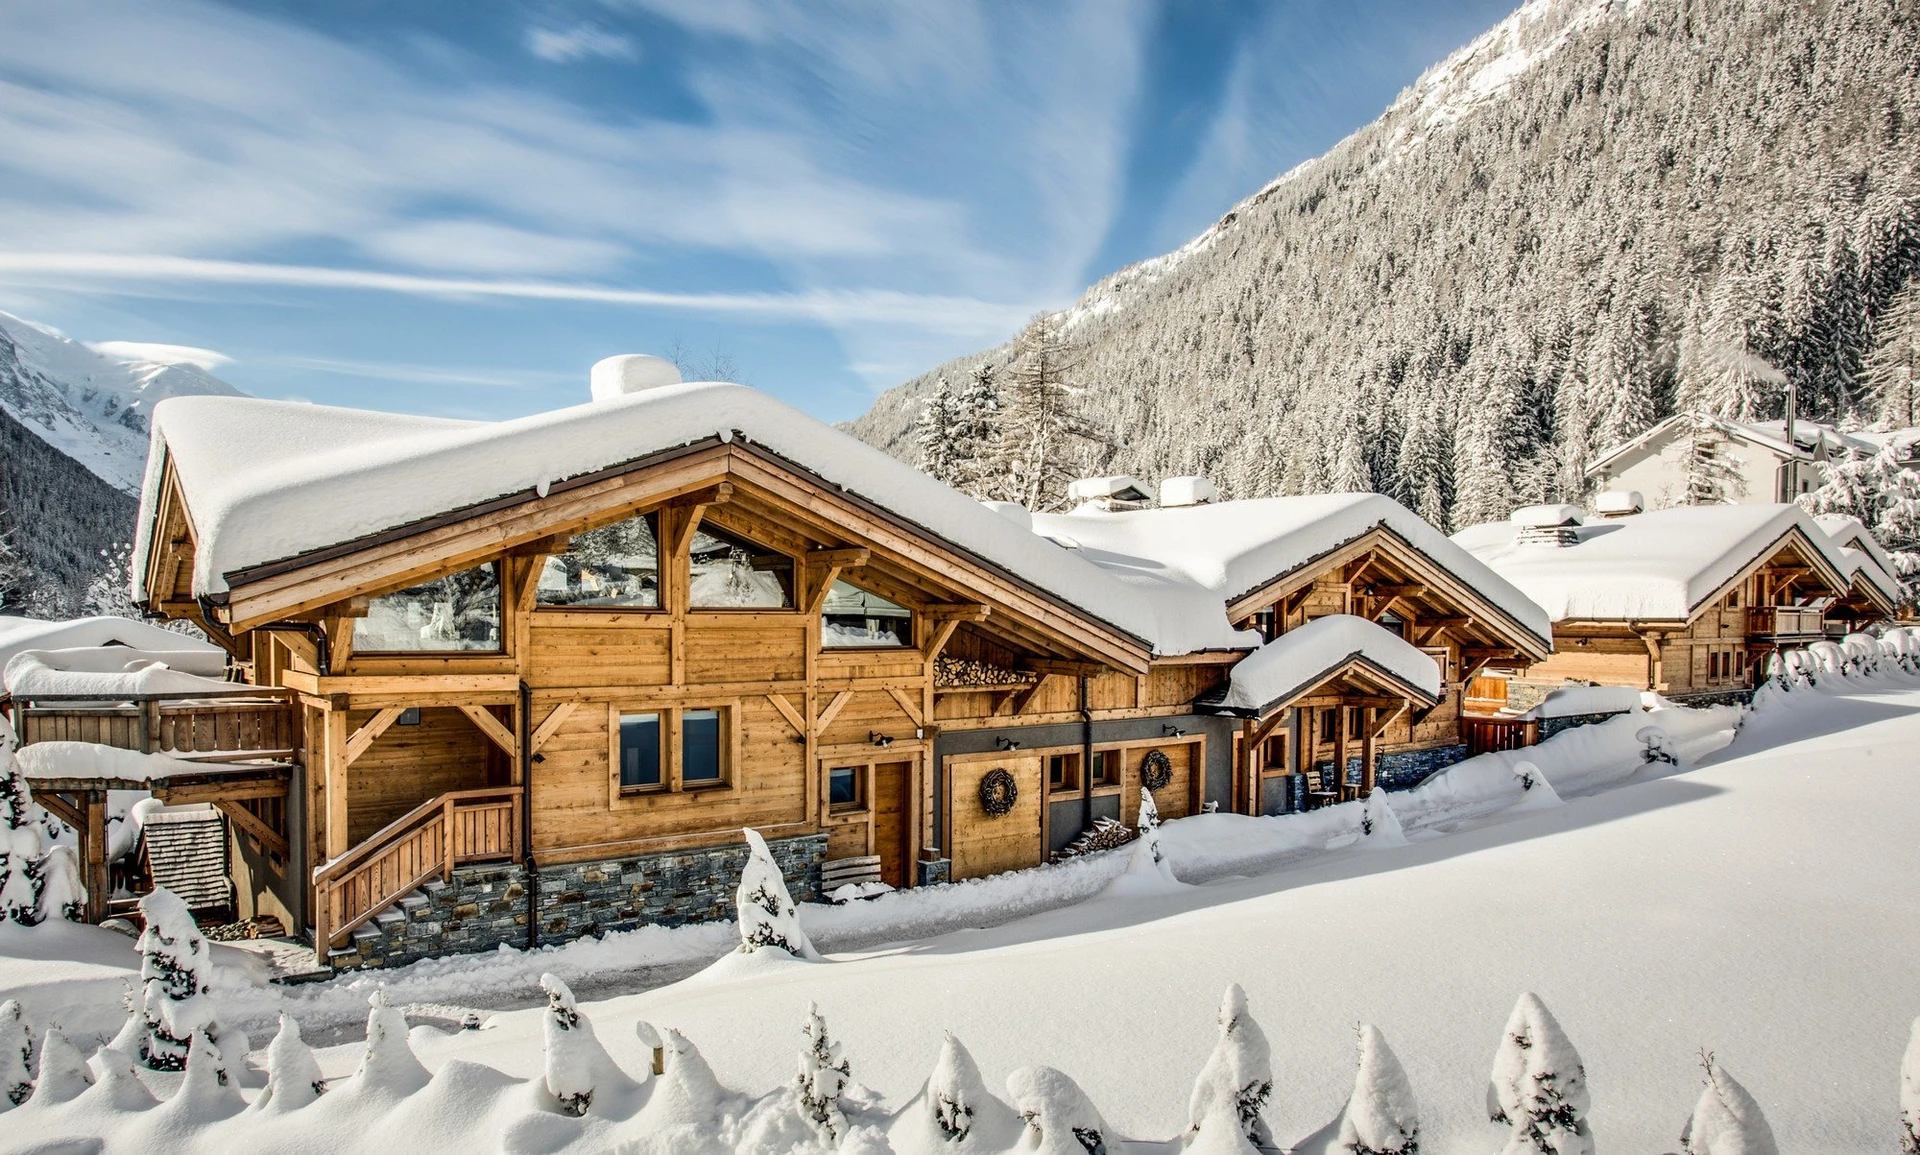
(980, 845)
(600, 648)
(1179, 797)
(903, 665)
(1180, 685)
(746, 648)
(407, 765)
(865, 713)
(769, 784)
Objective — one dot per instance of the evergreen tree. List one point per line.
(1239, 1072)
(976, 421)
(1381, 1117)
(1891, 375)
(824, 1074)
(1426, 463)
(20, 842)
(1539, 1086)
(768, 919)
(1042, 436)
(1060, 1119)
(16, 1056)
(1910, 1094)
(1877, 492)
(578, 1068)
(176, 969)
(1726, 1120)
(293, 1077)
(937, 433)
(1711, 476)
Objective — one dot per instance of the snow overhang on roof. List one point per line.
(1658, 566)
(268, 481)
(127, 637)
(1298, 661)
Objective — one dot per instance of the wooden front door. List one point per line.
(892, 820)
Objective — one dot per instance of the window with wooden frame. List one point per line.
(853, 618)
(455, 613)
(728, 572)
(671, 749)
(1274, 759)
(847, 789)
(614, 567)
(1063, 773)
(1107, 767)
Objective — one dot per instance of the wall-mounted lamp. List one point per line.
(879, 739)
(1173, 731)
(1007, 743)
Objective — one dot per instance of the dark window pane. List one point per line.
(615, 565)
(854, 617)
(460, 611)
(733, 573)
(843, 786)
(700, 746)
(639, 750)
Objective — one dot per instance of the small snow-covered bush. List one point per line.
(36, 882)
(389, 1067)
(1726, 1120)
(63, 1073)
(16, 1055)
(293, 1076)
(1657, 746)
(1060, 1119)
(768, 918)
(175, 973)
(1381, 1117)
(954, 1111)
(824, 1074)
(578, 1067)
(1539, 1085)
(1239, 1072)
(1910, 1095)
(1379, 826)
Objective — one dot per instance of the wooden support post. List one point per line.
(94, 847)
(1340, 750)
(1368, 751)
(335, 777)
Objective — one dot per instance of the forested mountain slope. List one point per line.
(1596, 213)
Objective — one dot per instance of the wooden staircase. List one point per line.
(456, 828)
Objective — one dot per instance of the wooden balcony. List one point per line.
(252, 723)
(1786, 622)
(452, 830)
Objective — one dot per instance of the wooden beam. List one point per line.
(214, 791)
(688, 511)
(1389, 719)
(491, 727)
(787, 711)
(938, 637)
(74, 816)
(832, 711)
(956, 611)
(93, 846)
(274, 842)
(339, 640)
(819, 584)
(552, 724)
(370, 730)
(1260, 733)
(1021, 698)
(301, 647)
(853, 557)
(908, 706)
(1069, 669)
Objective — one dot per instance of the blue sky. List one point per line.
(457, 207)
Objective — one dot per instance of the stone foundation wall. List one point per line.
(1551, 726)
(1740, 697)
(483, 907)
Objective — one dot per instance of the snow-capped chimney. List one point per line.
(1619, 503)
(630, 373)
(1555, 525)
(1179, 491)
(1117, 492)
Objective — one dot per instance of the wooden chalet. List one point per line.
(1688, 601)
(554, 665)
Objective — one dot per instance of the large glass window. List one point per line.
(701, 757)
(639, 751)
(854, 617)
(732, 573)
(616, 565)
(458, 612)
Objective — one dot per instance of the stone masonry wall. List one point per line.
(483, 907)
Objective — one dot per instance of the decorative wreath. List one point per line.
(998, 792)
(1156, 770)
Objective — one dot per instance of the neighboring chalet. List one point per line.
(1688, 601)
(557, 663)
(1766, 465)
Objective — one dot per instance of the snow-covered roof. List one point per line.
(179, 651)
(90, 760)
(1117, 485)
(1232, 548)
(1661, 565)
(266, 481)
(1301, 659)
(114, 670)
(1771, 435)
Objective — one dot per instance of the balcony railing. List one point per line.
(1786, 622)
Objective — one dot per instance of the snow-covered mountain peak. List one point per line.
(88, 405)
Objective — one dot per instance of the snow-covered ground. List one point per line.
(1755, 901)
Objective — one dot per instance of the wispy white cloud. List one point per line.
(580, 42)
(413, 374)
(160, 353)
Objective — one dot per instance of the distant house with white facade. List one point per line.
(1766, 467)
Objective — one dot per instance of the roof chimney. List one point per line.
(1619, 503)
(1554, 525)
(1117, 492)
(630, 373)
(1181, 491)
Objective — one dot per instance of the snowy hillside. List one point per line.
(1598, 212)
(90, 406)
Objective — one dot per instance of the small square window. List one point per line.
(701, 760)
(1106, 767)
(639, 751)
(1063, 772)
(408, 717)
(844, 788)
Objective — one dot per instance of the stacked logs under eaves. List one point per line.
(950, 673)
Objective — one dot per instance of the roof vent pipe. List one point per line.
(630, 373)
(1619, 503)
(1180, 491)
(1555, 525)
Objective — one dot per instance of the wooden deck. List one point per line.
(251, 723)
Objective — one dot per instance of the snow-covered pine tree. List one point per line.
(20, 841)
(824, 1073)
(1539, 1085)
(687, 1094)
(388, 1067)
(976, 425)
(955, 1111)
(1238, 1072)
(293, 1076)
(1711, 476)
(16, 1055)
(206, 1093)
(1381, 1117)
(1042, 435)
(1726, 1120)
(1879, 493)
(578, 1068)
(768, 918)
(1426, 462)
(118, 1087)
(935, 432)
(1379, 826)
(63, 1072)
(1060, 1119)
(110, 593)
(175, 972)
(1891, 372)
(1910, 1094)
